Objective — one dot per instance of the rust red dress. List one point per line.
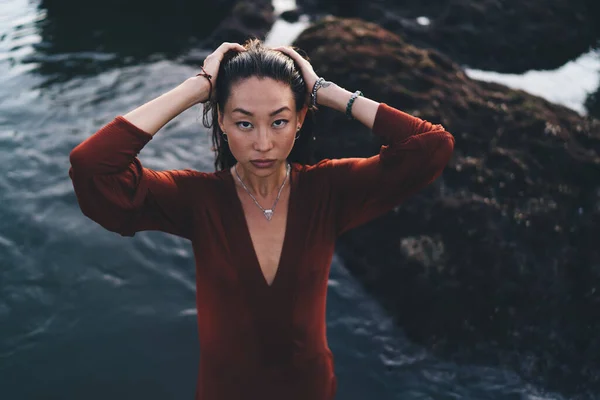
(258, 341)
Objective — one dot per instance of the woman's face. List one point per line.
(261, 122)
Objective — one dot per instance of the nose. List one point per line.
(263, 141)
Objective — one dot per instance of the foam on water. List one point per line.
(568, 85)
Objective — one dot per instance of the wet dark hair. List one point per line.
(262, 62)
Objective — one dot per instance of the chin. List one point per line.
(265, 170)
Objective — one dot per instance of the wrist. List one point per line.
(195, 89)
(333, 96)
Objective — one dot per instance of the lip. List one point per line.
(262, 163)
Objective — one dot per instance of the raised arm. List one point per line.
(414, 155)
(112, 186)
(153, 115)
(116, 191)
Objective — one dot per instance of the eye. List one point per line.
(280, 123)
(239, 125)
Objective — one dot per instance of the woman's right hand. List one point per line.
(211, 66)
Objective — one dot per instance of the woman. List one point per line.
(264, 225)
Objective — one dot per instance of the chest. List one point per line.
(267, 236)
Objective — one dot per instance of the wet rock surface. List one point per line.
(504, 36)
(499, 258)
(124, 27)
(115, 34)
(246, 19)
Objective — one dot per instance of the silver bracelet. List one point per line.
(313, 94)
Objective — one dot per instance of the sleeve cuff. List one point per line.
(392, 124)
(133, 129)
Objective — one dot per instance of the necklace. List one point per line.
(269, 212)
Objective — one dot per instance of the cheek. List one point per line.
(287, 138)
(237, 145)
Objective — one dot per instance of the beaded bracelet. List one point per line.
(316, 86)
(350, 102)
(209, 77)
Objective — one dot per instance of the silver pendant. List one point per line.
(267, 213)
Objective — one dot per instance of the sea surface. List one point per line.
(86, 313)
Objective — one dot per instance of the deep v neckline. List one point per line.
(247, 238)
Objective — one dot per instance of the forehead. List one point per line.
(260, 95)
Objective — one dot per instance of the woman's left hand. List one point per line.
(308, 73)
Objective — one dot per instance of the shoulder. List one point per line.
(198, 188)
(327, 173)
(311, 173)
(327, 167)
(192, 179)
(314, 170)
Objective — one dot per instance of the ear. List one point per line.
(220, 119)
(302, 114)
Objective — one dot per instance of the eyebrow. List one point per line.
(241, 110)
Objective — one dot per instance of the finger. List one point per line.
(283, 49)
(290, 52)
(237, 46)
(289, 49)
(226, 46)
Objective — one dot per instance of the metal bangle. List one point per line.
(316, 86)
(350, 102)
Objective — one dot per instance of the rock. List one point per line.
(134, 30)
(499, 258)
(506, 36)
(592, 103)
(247, 19)
(291, 15)
(131, 36)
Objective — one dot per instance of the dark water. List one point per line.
(85, 312)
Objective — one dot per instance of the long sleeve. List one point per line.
(414, 154)
(116, 191)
